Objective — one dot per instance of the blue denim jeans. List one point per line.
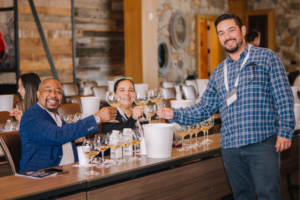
(254, 167)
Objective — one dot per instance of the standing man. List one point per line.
(251, 90)
(253, 37)
(47, 141)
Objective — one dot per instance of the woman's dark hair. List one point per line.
(30, 82)
(226, 16)
(120, 80)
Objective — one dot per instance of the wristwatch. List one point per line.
(97, 118)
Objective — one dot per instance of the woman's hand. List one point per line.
(137, 111)
(17, 114)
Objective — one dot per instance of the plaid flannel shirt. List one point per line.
(264, 105)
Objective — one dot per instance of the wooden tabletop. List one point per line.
(13, 187)
(146, 165)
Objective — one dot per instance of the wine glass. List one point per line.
(102, 139)
(156, 96)
(150, 110)
(125, 142)
(211, 122)
(136, 139)
(114, 143)
(183, 131)
(195, 129)
(89, 149)
(114, 101)
(141, 99)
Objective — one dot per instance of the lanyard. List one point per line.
(237, 79)
(124, 116)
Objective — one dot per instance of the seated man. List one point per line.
(253, 37)
(47, 141)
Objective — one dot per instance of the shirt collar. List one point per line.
(56, 119)
(242, 55)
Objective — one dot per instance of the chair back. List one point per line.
(76, 99)
(167, 102)
(169, 93)
(193, 83)
(110, 85)
(19, 105)
(11, 145)
(202, 84)
(69, 109)
(4, 116)
(100, 91)
(168, 84)
(69, 89)
(141, 87)
(87, 90)
(7, 102)
(189, 92)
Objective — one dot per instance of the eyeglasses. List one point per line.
(126, 78)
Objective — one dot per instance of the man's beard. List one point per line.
(234, 49)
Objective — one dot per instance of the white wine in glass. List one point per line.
(114, 143)
(103, 140)
(182, 132)
(114, 101)
(136, 135)
(141, 99)
(89, 149)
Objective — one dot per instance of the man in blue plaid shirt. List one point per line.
(251, 90)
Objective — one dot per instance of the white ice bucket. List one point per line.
(159, 138)
(90, 105)
(181, 103)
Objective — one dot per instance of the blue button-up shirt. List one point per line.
(264, 105)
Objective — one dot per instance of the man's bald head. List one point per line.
(50, 94)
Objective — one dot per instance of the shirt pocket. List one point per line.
(254, 78)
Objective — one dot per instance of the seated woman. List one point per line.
(126, 115)
(28, 86)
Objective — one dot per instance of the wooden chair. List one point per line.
(189, 92)
(4, 116)
(69, 90)
(100, 91)
(168, 84)
(76, 99)
(88, 87)
(69, 109)
(11, 145)
(169, 93)
(192, 82)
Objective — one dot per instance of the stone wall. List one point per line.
(185, 57)
(287, 28)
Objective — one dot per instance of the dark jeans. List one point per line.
(254, 167)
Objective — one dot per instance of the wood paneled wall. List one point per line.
(99, 39)
(55, 17)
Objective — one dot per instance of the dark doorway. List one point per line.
(259, 23)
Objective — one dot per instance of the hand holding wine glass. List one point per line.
(141, 99)
(89, 148)
(150, 110)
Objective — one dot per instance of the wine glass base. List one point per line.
(114, 121)
(182, 149)
(103, 165)
(208, 140)
(91, 173)
(117, 162)
(136, 159)
(126, 160)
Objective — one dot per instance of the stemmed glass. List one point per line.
(125, 142)
(89, 148)
(211, 122)
(114, 143)
(195, 129)
(136, 139)
(150, 110)
(102, 144)
(114, 101)
(141, 99)
(182, 132)
(156, 96)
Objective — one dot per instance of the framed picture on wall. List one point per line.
(9, 51)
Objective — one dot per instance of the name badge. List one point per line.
(231, 97)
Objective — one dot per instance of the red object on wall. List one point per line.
(2, 46)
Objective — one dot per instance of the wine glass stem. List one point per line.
(102, 158)
(92, 165)
(115, 155)
(207, 136)
(182, 142)
(190, 139)
(135, 151)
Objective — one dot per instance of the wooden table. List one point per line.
(194, 174)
